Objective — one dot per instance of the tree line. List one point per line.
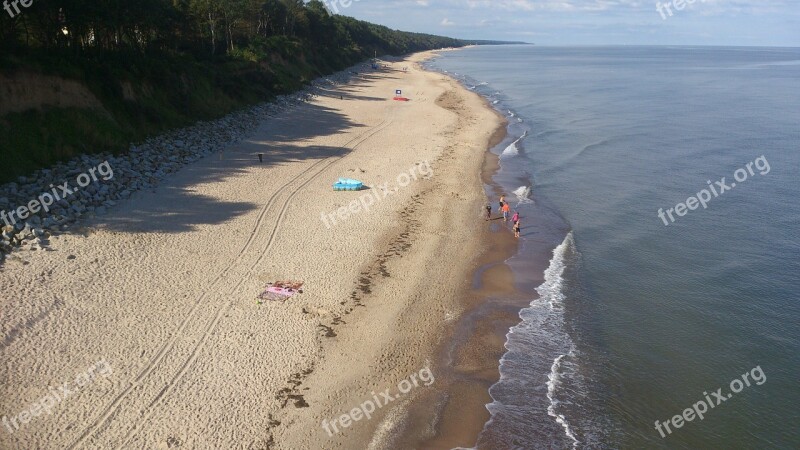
(155, 65)
(252, 29)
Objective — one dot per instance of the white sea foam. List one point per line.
(551, 291)
(523, 194)
(513, 148)
(541, 329)
(553, 383)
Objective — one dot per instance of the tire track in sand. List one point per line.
(180, 334)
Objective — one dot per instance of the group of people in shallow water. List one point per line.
(505, 208)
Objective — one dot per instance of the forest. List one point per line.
(248, 29)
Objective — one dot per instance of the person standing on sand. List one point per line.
(488, 212)
(506, 209)
(516, 229)
(502, 201)
(515, 217)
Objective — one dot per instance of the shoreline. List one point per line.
(492, 303)
(475, 343)
(175, 268)
(406, 422)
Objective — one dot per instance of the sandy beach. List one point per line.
(150, 316)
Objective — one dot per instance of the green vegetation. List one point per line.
(157, 64)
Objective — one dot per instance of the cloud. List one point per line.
(579, 22)
(731, 6)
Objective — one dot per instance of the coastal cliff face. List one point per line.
(24, 91)
(52, 112)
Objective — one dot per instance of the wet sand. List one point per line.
(468, 359)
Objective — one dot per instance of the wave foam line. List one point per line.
(552, 292)
(553, 383)
(513, 148)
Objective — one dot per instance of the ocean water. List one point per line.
(644, 316)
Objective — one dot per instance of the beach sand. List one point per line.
(163, 289)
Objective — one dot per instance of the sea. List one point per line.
(666, 183)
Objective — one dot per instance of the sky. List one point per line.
(591, 22)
